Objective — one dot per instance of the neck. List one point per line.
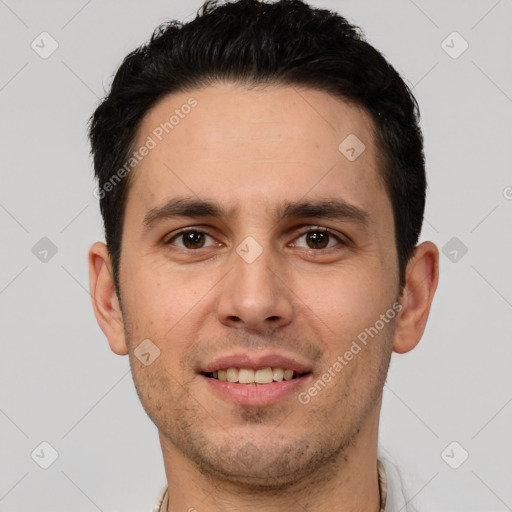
(347, 483)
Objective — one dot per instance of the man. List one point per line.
(261, 179)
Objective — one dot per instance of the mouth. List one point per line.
(247, 380)
(261, 376)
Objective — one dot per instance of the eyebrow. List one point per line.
(335, 209)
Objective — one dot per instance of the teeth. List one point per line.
(278, 374)
(263, 376)
(245, 376)
(249, 376)
(232, 375)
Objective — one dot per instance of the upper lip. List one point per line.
(255, 362)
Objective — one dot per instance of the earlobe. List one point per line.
(104, 298)
(422, 276)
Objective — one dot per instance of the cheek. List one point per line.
(148, 305)
(345, 302)
(160, 386)
(161, 302)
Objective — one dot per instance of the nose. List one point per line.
(255, 295)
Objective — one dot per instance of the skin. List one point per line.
(250, 150)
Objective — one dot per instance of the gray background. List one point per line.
(61, 384)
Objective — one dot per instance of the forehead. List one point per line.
(247, 147)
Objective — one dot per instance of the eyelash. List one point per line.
(318, 229)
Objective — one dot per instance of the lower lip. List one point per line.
(256, 395)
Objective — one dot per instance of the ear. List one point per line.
(104, 298)
(422, 275)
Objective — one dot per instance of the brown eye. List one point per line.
(319, 238)
(193, 239)
(190, 239)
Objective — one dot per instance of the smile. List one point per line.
(250, 376)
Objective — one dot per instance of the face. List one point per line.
(252, 242)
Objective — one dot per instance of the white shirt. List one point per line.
(393, 497)
(393, 493)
